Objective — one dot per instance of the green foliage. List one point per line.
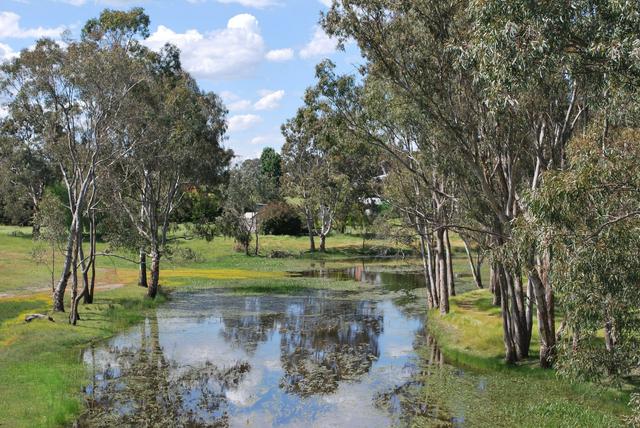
(271, 166)
(246, 190)
(588, 217)
(280, 218)
(117, 24)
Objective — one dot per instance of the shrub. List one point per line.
(280, 218)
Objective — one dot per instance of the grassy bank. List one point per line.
(490, 393)
(42, 373)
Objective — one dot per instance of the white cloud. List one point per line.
(10, 28)
(117, 3)
(269, 101)
(264, 141)
(320, 44)
(234, 102)
(258, 140)
(327, 3)
(6, 52)
(278, 55)
(222, 54)
(4, 111)
(239, 105)
(258, 4)
(242, 122)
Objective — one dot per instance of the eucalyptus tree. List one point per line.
(318, 169)
(75, 97)
(560, 66)
(247, 189)
(504, 86)
(178, 131)
(588, 216)
(414, 48)
(25, 167)
(299, 158)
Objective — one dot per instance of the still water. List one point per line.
(208, 358)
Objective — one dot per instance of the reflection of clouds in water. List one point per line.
(368, 344)
(399, 351)
(200, 344)
(245, 394)
(272, 365)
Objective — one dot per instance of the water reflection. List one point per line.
(392, 280)
(138, 385)
(326, 341)
(218, 360)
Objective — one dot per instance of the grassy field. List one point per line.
(42, 374)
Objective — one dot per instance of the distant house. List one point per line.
(251, 218)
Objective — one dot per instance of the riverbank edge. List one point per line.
(473, 319)
(43, 373)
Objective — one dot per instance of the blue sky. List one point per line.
(259, 55)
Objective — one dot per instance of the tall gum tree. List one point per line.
(180, 131)
(79, 93)
(505, 85)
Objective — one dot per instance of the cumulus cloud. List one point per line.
(258, 4)
(6, 52)
(278, 55)
(242, 122)
(320, 44)
(239, 105)
(117, 3)
(233, 102)
(10, 28)
(269, 101)
(267, 140)
(232, 52)
(327, 3)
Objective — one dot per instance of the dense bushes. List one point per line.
(279, 218)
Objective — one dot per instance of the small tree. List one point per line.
(247, 189)
(50, 220)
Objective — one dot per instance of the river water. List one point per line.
(209, 358)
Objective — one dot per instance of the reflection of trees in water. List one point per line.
(323, 340)
(327, 341)
(144, 389)
(246, 332)
(413, 402)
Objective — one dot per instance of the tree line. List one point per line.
(117, 133)
(515, 126)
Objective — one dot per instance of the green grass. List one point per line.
(42, 372)
(470, 336)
